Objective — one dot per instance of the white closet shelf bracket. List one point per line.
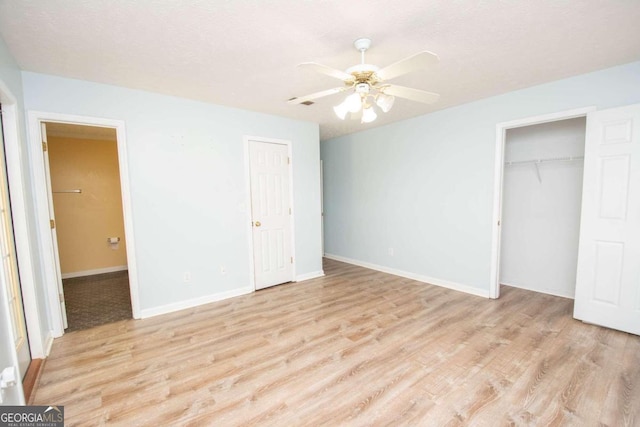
(537, 164)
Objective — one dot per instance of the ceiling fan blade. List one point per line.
(316, 95)
(410, 93)
(416, 62)
(323, 69)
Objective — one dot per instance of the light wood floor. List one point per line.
(356, 347)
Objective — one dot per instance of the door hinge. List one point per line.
(289, 211)
(288, 160)
(61, 295)
(44, 146)
(52, 223)
(291, 260)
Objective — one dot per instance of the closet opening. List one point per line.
(537, 202)
(541, 203)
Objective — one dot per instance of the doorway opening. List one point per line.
(10, 271)
(47, 227)
(541, 203)
(529, 161)
(89, 223)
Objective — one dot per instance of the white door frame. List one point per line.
(498, 177)
(247, 169)
(42, 206)
(15, 168)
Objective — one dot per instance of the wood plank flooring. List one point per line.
(356, 348)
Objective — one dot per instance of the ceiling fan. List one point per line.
(369, 84)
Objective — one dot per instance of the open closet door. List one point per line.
(608, 276)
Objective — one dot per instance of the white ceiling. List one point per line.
(243, 53)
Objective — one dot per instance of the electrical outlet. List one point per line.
(391, 251)
(186, 277)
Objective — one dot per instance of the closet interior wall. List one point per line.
(541, 200)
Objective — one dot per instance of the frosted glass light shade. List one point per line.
(384, 101)
(341, 110)
(368, 115)
(353, 103)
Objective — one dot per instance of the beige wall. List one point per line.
(85, 221)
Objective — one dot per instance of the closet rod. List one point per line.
(551, 159)
(68, 191)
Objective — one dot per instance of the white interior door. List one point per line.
(608, 276)
(270, 213)
(54, 236)
(9, 269)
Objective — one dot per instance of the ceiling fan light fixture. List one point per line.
(367, 86)
(368, 115)
(384, 101)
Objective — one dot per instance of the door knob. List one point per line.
(258, 224)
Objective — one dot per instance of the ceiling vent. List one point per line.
(303, 103)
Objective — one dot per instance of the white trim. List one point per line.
(48, 343)
(42, 206)
(94, 271)
(322, 206)
(247, 168)
(501, 131)
(538, 290)
(247, 190)
(20, 222)
(426, 279)
(182, 305)
(309, 276)
(7, 321)
(292, 222)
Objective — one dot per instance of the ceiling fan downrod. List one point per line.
(362, 45)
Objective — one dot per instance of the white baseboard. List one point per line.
(309, 276)
(181, 305)
(93, 272)
(542, 291)
(429, 280)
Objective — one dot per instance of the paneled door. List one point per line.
(9, 268)
(54, 234)
(270, 213)
(608, 279)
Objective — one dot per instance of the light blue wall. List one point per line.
(424, 186)
(11, 77)
(188, 187)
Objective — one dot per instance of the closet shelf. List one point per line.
(79, 190)
(538, 162)
(547, 160)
